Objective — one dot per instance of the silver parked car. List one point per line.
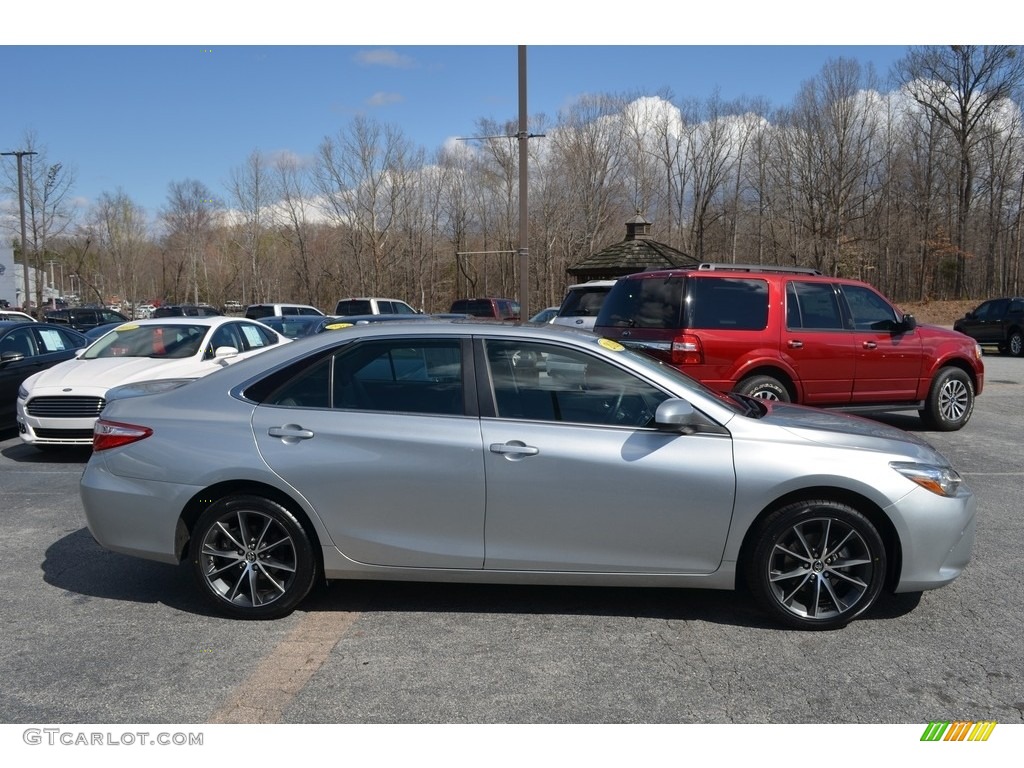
(447, 451)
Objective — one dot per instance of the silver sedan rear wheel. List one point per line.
(252, 558)
(817, 564)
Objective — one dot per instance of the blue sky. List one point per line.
(170, 107)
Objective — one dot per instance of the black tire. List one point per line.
(1015, 344)
(950, 401)
(265, 577)
(763, 388)
(816, 565)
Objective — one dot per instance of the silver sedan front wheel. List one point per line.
(252, 558)
(817, 564)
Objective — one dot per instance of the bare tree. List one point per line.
(587, 146)
(361, 184)
(250, 192)
(122, 230)
(834, 128)
(961, 85)
(294, 215)
(190, 218)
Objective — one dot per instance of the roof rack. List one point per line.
(710, 266)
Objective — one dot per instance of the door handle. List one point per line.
(870, 345)
(794, 344)
(290, 433)
(514, 448)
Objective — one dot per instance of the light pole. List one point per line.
(21, 205)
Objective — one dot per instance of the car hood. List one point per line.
(840, 429)
(100, 374)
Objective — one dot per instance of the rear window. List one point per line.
(474, 307)
(584, 302)
(354, 307)
(256, 311)
(647, 303)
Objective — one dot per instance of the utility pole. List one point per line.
(524, 136)
(524, 213)
(21, 205)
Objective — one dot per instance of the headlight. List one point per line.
(22, 392)
(943, 481)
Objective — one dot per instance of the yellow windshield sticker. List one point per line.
(336, 326)
(127, 327)
(614, 346)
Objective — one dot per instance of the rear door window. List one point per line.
(812, 306)
(728, 303)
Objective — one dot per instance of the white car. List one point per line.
(13, 314)
(59, 406)
(581, 304)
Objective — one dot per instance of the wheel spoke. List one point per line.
(279, 586)
(233, 561)
(229, 535)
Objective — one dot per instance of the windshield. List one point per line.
(684, 383)
(155, 341)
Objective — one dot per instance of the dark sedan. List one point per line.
(27, 348)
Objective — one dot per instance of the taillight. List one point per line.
(111, 434)
(686, 350)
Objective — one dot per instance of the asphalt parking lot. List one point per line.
(95, 637)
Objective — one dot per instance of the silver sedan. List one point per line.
(468, 452)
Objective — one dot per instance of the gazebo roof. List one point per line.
(634, 254)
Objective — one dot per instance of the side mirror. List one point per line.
(909, 323)
(677, 415)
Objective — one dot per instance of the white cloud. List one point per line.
(382, 98)
(384, 57)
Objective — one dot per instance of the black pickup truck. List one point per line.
(996, 321)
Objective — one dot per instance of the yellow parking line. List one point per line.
(277, 680)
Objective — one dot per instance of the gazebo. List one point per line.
(634, 254)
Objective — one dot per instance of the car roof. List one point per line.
(7, 324)
(381, 318)
(712, 269)
(211, 320)
(372, 298)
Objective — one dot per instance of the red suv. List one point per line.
(786, 333)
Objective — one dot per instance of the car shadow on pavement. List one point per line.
(23, 453)
(724, 607)
(78, 565)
